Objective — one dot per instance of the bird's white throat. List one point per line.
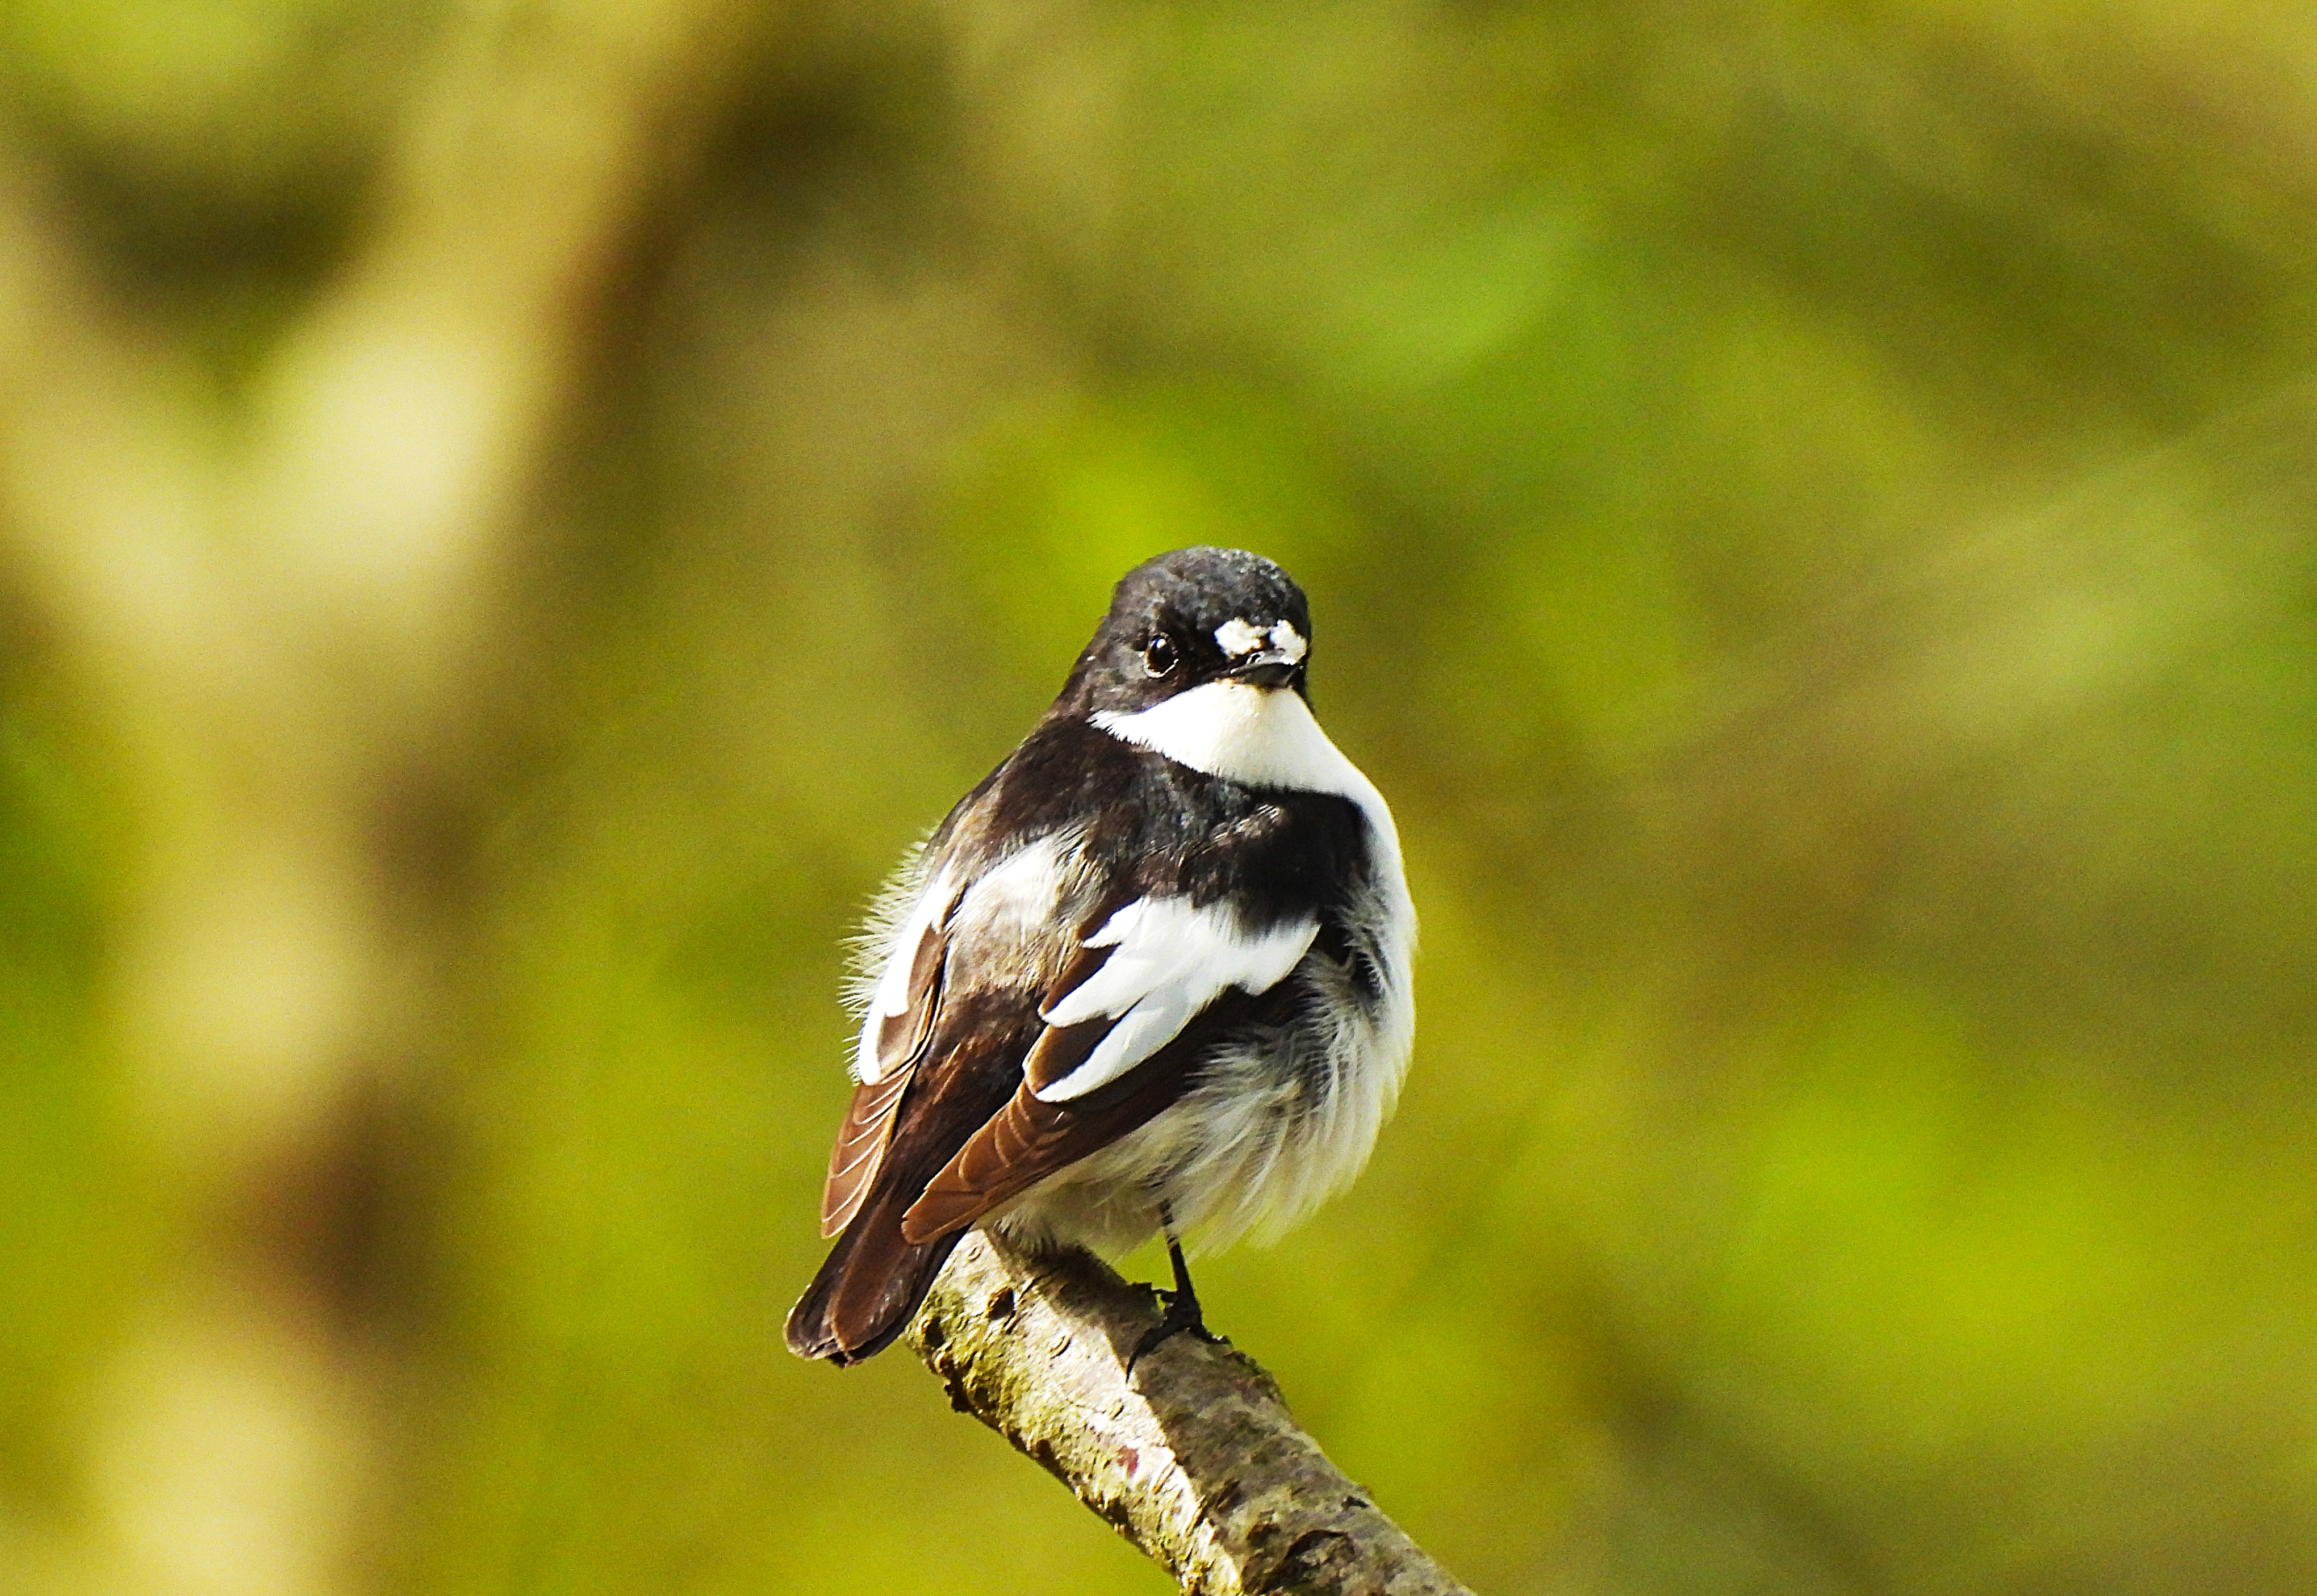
(1266, 736)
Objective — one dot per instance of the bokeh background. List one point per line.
(514, 512)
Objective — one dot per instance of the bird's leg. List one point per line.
(1182, 1316)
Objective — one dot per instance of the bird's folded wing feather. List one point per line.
(894, 1036)
(1168, 960)
(1124, 1026)
(901, 1009)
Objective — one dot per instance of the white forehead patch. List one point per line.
(1238, 639)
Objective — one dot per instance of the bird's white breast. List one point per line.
(1266, 736)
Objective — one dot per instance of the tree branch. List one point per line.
(1196, 1459)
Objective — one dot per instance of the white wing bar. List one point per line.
(1173, 960)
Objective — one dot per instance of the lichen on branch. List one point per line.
(1193, 1458)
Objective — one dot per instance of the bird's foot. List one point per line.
(1181, 1317)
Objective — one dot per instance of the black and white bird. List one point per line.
(1151, 974)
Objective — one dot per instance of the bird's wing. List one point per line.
(1156, 985)
(948, 997)
(1154, 966)
(894, 1035)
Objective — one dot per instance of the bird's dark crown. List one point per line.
(1159, 637)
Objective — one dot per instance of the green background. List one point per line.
(1807, 510)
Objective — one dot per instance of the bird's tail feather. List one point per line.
(870, 1286)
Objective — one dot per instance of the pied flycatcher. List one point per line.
(1151, 974)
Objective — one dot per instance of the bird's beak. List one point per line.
(1272, 667)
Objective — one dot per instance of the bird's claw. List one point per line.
(1181, 1317)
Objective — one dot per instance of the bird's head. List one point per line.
(1188, 618)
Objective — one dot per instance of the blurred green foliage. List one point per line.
(56, 1218)
(1807, 513)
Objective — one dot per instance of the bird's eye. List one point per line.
(1159, 654)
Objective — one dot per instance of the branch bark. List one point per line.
(1194, 1458)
